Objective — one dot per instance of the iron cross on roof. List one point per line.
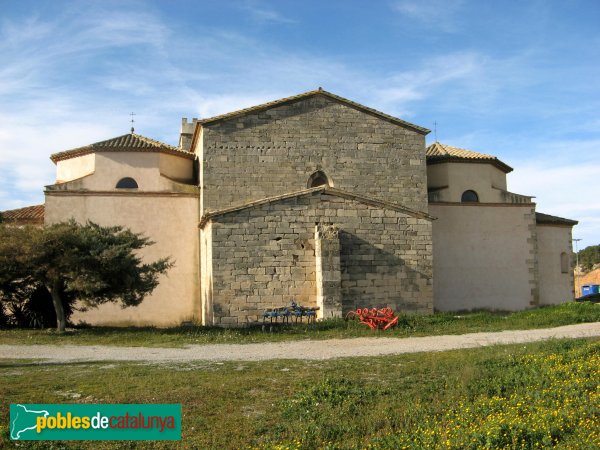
(132, 114)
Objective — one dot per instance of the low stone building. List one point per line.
(319, 200)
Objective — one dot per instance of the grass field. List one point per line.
(413, 325)
(520, 396)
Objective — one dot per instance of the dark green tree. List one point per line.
(89, 263)
(589, 256)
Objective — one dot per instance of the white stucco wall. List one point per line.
(144, 167)
(73, 168)
(176, 168)
(437, 175)
(169, 220)
(483, 257)
(555, 286)
(483, 178)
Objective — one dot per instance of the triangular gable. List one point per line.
(371, 201)
(309, 94)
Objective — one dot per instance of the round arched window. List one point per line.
(469, 197)
(127, 183)
(318, 178)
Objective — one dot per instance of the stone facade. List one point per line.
(319, 200)
(274, 151)
(263, 256)
(328, 271)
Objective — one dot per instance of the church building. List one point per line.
(314, 199)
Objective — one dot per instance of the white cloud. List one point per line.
(123, 29)
(263, 14)
(441, 14)
(61, 86)
(43, 105)
(564, 186)
(214, 105)
(403, 88)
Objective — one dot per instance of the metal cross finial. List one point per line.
(132, 129)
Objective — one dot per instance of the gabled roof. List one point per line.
(127, 143)
(29, 215)
(438, 152)
(547, 219)
(313, 93)
(323, 189)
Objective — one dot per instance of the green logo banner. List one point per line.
(70, 422)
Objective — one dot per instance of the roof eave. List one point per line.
(287, 100)
(69, 154)
(125, 143)
(547, 219)
(383, 204)
(570, 223)
(455, 159)
(61, 156)
(28, 215)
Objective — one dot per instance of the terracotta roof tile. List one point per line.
(304, 95)
(438, 152)
(126, 143)
(29, 215)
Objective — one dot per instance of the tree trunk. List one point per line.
(58, 306)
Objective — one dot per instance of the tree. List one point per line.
(32, 307)
(589, 257)
(89, 263)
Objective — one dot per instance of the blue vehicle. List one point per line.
(590, 289)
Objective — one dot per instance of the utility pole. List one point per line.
(577, 268)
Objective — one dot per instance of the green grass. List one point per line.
(538, 395)
(412, 325)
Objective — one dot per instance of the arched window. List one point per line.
(318, 179)
(564, 262)
(127, 183)
(469, 197)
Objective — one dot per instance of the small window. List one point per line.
(469, 197)
(318, 179)
(127, 183)
(564, 262)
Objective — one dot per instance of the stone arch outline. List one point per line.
(318, 178)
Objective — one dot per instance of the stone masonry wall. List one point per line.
(329, 274)
(264, 257)
(272, 152)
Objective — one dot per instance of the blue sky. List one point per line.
(517, 79)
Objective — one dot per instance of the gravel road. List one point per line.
(305, 350)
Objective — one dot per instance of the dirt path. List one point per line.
(313, 350)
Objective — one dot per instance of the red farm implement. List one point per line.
(375, 319)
